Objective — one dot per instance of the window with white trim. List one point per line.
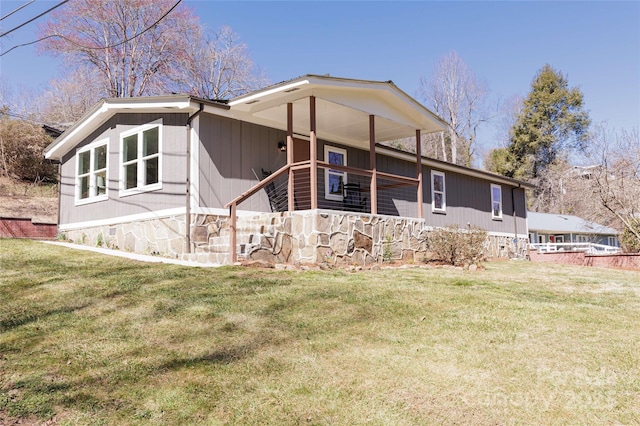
(438, 195)
(140, 159)
(612, 241)
(496, 201)
(334, 180)
(91, 168)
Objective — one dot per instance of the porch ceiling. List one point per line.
(342, 110)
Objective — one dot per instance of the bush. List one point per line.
(629, 241)
(22, 147)
(458, 246)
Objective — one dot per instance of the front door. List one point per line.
(301, 178)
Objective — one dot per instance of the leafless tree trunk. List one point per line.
(616, 182)
(218, 67)
(133, 45)
(457, 96)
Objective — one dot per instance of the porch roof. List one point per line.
(343, 107)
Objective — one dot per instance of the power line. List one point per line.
(16, 10)
(101, 47)
(33, 19)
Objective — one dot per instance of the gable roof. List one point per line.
(563, 223)
(108, 107)
(343, 107)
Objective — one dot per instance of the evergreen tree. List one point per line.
(551, 122)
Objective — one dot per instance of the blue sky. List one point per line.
(595, 44)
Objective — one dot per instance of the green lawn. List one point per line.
(93, 339)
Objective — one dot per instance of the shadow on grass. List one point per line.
(222, 356)
(17, 320)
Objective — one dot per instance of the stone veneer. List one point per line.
(313, 236)
(159, 236)
(347, 238)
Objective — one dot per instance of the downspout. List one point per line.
(59, 189)
(188, 180)
(515, 217)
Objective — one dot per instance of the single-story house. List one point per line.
(294, 172)
(563, 228)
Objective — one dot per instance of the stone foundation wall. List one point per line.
(289, 237)
(160, 236)
(342, 239)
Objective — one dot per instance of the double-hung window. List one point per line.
(334, 180)
(91, 166)
(141, 155)
(438, 194)
(496, 201)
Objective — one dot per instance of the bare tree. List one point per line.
(218, 67)
(616, 180)
(134, 44)
(69, 97)
(456, 94)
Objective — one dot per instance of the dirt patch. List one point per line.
(26, 200)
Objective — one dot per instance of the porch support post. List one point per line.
(419, 173)
(313, 153)
(290, 197)
(233, 254)
(372, 165)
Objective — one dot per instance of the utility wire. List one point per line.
(101, 47)
(33, 19)
(16, 10)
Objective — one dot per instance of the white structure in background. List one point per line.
(561, 232)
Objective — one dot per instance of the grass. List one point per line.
(90, 339)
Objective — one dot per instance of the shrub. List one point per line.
(629, 241)
(22, 147)
(458, 246)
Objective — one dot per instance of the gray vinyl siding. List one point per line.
(468, 198)
(171, 195)
(468, 201)
(230, 152)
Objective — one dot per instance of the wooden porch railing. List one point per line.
(303, 165)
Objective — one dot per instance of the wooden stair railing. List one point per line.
(232, 205)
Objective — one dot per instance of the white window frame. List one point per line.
(493, 201)
(140, 161)
(582, 238)
(542, 239)
(327, 172)
(443, 209)
(612, 241)
(92, 174)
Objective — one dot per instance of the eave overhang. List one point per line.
(108, 107)
(343, 107)
(455, 168)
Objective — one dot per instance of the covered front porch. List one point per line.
(333, 160)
